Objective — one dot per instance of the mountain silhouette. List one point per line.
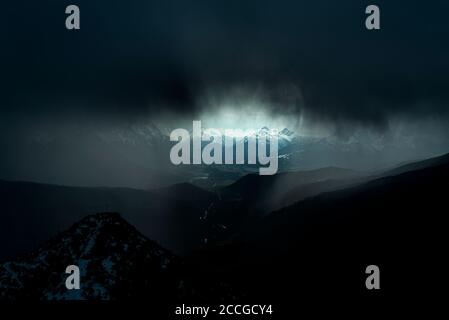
(319, 248)
(33, 212)
(315, 248)
(267, 193)
(416, 165)
(182, 217)
(115, 261)
(251, 197)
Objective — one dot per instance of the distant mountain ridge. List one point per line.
(416, 165)
(319, 247)
(267, 193)
(392, 221)
(182, 217)
(137, 155)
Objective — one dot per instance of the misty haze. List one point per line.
(360, 176)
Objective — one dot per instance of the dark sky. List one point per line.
(134, 57)
(133, 60)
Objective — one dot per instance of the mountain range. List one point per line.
(317, 245)
(137, 156)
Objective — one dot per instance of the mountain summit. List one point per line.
(114, 259)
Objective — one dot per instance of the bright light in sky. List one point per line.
(244, 118)
(241, 110)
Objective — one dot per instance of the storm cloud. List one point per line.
(69, 98)
(134, 59)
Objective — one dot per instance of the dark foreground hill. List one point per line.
(115, 262)
(181, 217)
(318, 249)
(315, 250)
(32, 213)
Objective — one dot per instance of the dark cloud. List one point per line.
(134, 58)
(68, 98)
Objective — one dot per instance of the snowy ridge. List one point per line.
(110, 253)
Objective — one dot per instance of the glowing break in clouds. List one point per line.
(247, 108)
(223, 141)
